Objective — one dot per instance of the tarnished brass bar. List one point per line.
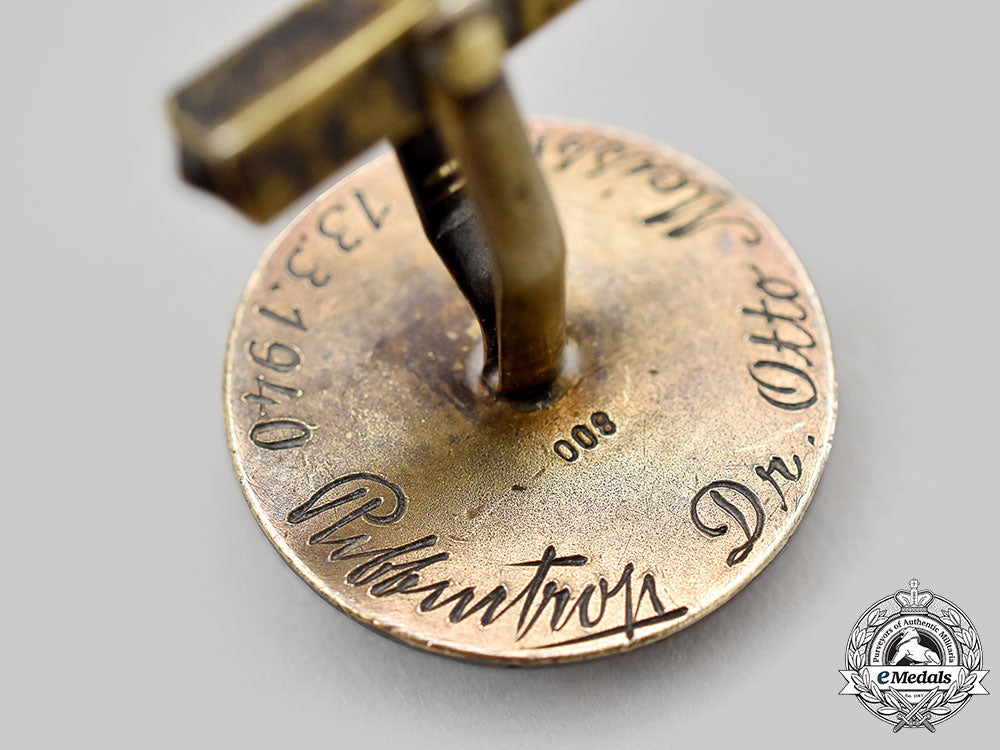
(306, 96)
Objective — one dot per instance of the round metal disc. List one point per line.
(694, 416)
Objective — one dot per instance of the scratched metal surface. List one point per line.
(143, 605)
(695, 416)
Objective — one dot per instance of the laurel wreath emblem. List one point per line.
(943, 702)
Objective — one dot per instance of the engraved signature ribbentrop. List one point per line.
(403, 570)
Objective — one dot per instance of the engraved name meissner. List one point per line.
(686, 205)
(403, 570)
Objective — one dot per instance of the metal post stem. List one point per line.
(480, 125)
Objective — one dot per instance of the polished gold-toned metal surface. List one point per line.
(676, 453)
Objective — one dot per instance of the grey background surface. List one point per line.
(143, 606)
